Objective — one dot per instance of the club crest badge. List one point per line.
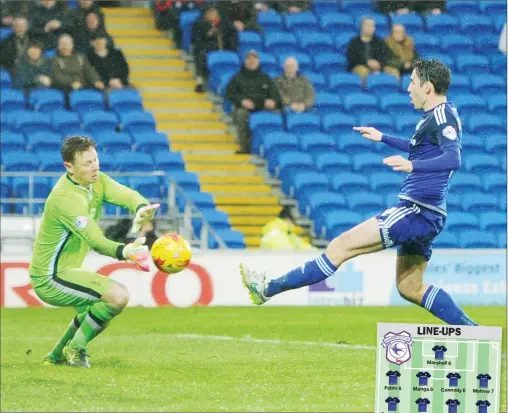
(398, 347)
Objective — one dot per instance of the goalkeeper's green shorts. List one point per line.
(72, 288)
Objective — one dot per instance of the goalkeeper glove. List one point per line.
(143, 215)
(137, 253)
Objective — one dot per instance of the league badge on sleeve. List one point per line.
(398, 347)
(81, 222)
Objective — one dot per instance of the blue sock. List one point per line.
(441, 304)
(310, 273)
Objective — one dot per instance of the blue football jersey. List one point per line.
(438, 129)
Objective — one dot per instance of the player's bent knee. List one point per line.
(118, 296)
(409, 289)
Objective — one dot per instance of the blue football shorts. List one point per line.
(411, 228)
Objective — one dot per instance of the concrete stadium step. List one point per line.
(218, 159)
(252, 241)
(187, 117)
(158, 95)
(201, 138)
(249, 220)
(151, 63)
(246, 212)
(127, 12)
(247, 200)
(237, 189)
(205, 148)
(130, 21)
(194, 127)
(159, 76)
(200, 167)
(249, 229)
(137, 53)
(130, 32)
(136, 42)
(230, 179)
(184, 106)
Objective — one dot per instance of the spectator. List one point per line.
(83, 37)
(408, 6)
(14, 46)
(10, 9)
(241, 14)
(167, 16)
(108, 62)
(210, 33)
(402, 48)
(279, 234)
(33, 70)
(296, 90)
(71, 71)
(367, 53)
(251, 90)
(84, 20)
(290, 6)
(46, 19)
(503, 41)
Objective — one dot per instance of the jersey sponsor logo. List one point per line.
(398, 347)
(450, 133)
(81, 222)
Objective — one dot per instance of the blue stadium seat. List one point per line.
(188, 181)
(406, 125)
(169, 161)
(304, 60)
(51, 162)
(386, 182)
(316, 43)
(343, 39)
(21, 187)
(464, 182)
(5, 32)
(475, 24)
(218, 220)
(151, 142)
(260, 123)
(426, 43)
(222, 60)
(333, 163)
(382, 83)
(446, 240)
(50, 53)
(495, 183)
(350, 182)
(493, 7)
(360, 103)
(130, 161)
(473, 64)
(477, 239)
(148, 186)
(338, 222)
(107, 162)
(219, 81)
(480, 203)
(21, 162)
(497, 104)
(268, 62)
(328, 63)
(12, 142)
(30, 122)
(44, 142)
(498, 64)
(469, 104)
(368, 162)
(482, 163)
(443, 57)
(365, 201)
(413, 22)
(486, 124)
(501, 239)
(5, 187)
(138, 122)
(496, 143)
(11, 100)
(46, 100)
(328, 103)
(353, 143)
(461, 7)
(318, 80)
(279, 42)
(487, 44)
(397, 104)
(338, 123)
(203, 201)
(126, 100)
(113, 142)
(462, 221)
(233, 239)
(336, 22)
(493, 221)
(317, 143)
(356, 7)
(249, 40)
(5, 79)
(324, 7)
(442, 24)
(301, 123)
(487, 85)
(454, 202)
(274, 143)
(84, 100)
(271, 21)
(345, 83)
(305, 183)
(320, 203)
(456, 44)
(65, 122)
(381, 122)
(288, 163)
(305, 21)
(187, 19)
(502, 202)
(99, 122)
(460, 84)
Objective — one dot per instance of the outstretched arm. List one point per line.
(376, 136)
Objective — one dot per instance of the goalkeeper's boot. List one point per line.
(256, 283)
(76, 357)
(51, 360)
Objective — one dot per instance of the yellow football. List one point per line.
(171, 253)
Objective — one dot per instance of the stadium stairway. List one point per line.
(194, 128)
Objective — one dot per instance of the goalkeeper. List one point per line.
(68, 229)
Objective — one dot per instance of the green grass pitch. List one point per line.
(208, 359)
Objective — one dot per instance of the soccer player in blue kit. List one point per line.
(434, 154)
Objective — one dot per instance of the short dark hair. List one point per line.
(74, 145)
(435, 72)
(286, 213)
(34, 43)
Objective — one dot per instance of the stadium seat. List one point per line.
(480, 203)
(353, 143)
(469, 104)
(487, 44)
(6, 189)
(356, 103)
(501, 239)
(303, 184)
(493, 7)
(303, 59)
(502, 202)
(461, 84)
(316, 43)
(83, 101)
(220, 61)
(369, 162)
(477, 239)
(218, 220)
(456, 44)
(464, 182)
(482, 163)
(301, 123)
(332, 163)
(219, 81)
(495, 183)
(475, 24)
(343, 39)
(130, 161)
(472, 64)
(46, 100)
(21, 162)
(249, 40)
(497, 104)
(487, 85)
(397, 104)
(446, 240)
(356, 7)
(169, 161)
(279, 42)
(65, 122)
(382, 83)
(107, 162)
(99, 122)
(426, 43)
(317, 143)
(338, 222)
(12, 142)
(386, 182)
(126, 100)
(137, 122)
(498, 64)
(413, 22)
(148, 186)
(233, 239)
(338, 123)
(336, 22)
(274, 143)
(289, 163)
(44, 142)
(329, 63)
(21, 187)
(319, 204)
(493, 221)
(151, 142)
(381, 122)
(268, 63)
(30, 122)
(486, 124)
(365, 202)
(271, 21)
(261, 123)
(496, 143)
(454, 202)
(349, 182)
(461, 7)
(305, 21)
(462, 221)
(318, 81)
(203, 201)
(51, 162)
(443, 57)
(188, 181)
(345, 83)
(328, 103)
(187, 19)
(324, 7)
(442, 24)
(11, 100)
(113, 142)
(406, 125)
(5, 79)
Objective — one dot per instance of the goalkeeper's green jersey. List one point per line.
(69, 224)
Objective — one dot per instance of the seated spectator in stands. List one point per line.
(33, 70)
(295, 89)
(83, 37)
(503, 41)
(14, 46)
(241, 14)
(408, 6)
(46, 20)
(368, 53)
(210, 33)
(70, 71)
(402, 48)
(167, 16)
(290, 6)
(251, 90)
(108, 62)
(10, 9)
(76, 19)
